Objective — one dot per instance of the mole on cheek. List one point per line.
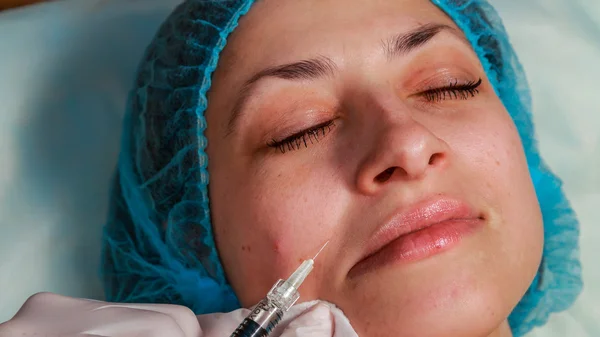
(276, 247)
(283, 255)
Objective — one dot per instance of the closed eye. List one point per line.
(303, 138)
(452, 91)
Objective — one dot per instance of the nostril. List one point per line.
(435, 158)
(385, 175)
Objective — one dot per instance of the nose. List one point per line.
(403, 151)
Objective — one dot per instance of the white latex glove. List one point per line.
(52, 315)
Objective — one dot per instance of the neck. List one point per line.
(502, 331)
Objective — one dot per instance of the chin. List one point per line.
(431, 298)
(445, 312)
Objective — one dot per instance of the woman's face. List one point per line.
(371, 125)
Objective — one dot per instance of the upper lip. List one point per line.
(419, 216)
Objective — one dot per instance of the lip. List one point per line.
(425, 229)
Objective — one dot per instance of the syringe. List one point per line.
(269, 312)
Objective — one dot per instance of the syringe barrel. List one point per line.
(261, 321)
(249, 328)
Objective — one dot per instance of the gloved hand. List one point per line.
(48, 314)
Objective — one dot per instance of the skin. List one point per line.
(389, 147)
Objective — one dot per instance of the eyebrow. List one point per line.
(322, 66)
(404, 43)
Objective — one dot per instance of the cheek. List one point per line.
(490, 148)
(507, 175)
(498, 161)
(274, 221)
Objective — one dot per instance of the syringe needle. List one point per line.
(296, 279)
(320, 250)
(281, 297)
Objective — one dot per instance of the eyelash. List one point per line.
(302, 138)
(315, 133)
(453, 91)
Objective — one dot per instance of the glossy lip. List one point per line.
(431, 214)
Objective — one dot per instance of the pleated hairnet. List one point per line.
(158, 245)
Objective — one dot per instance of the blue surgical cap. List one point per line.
(158, 244)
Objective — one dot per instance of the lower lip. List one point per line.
(420, 244)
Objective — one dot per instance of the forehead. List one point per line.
(279, 31)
